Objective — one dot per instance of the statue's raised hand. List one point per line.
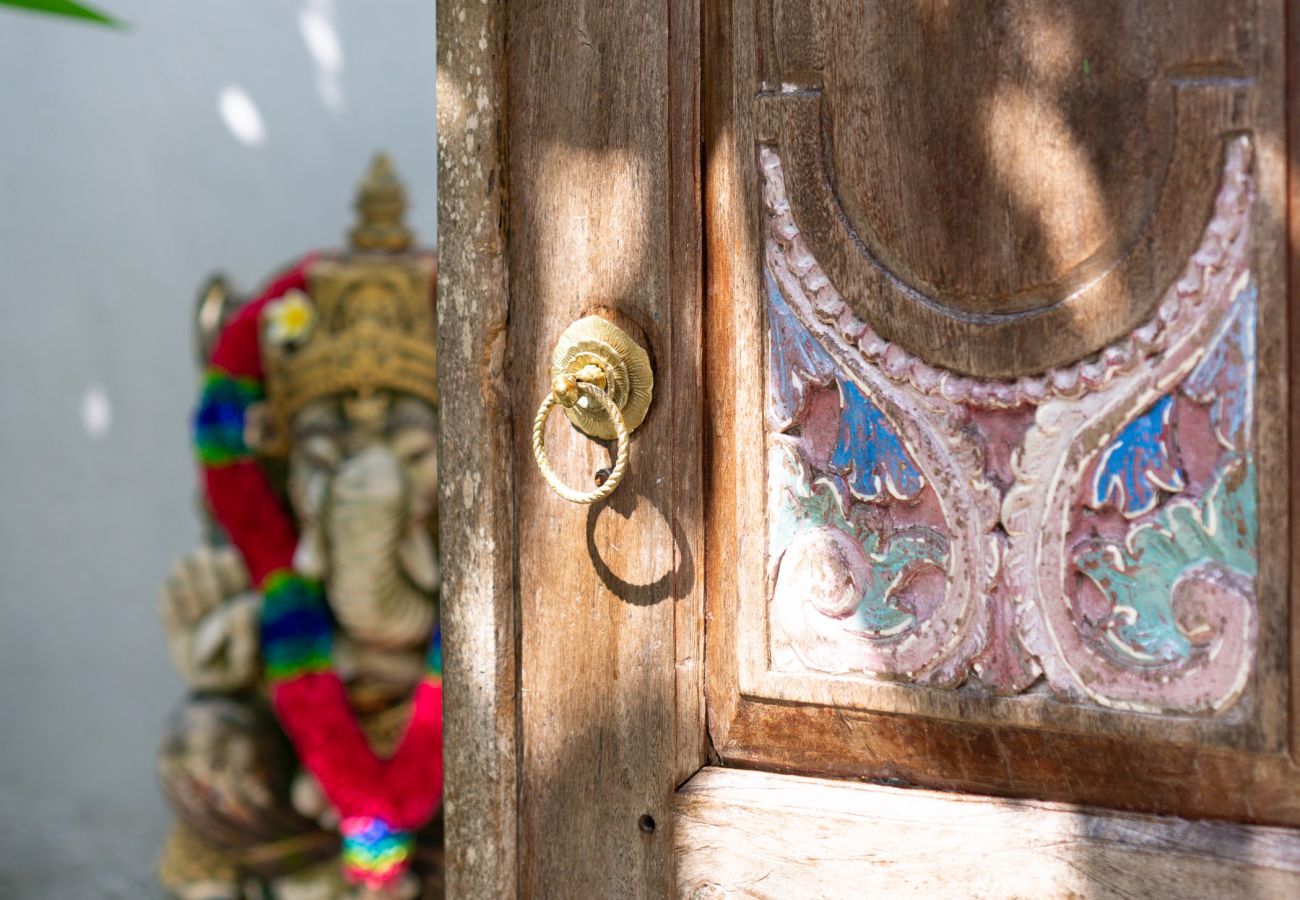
(211, 620)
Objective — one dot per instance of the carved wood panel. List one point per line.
(1010, 303)
(1095, 525)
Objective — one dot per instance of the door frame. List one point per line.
(476, 511)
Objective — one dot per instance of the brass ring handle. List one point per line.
(595, 360)
(620, 459)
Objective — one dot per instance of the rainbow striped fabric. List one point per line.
(433, 661)
(297, 632)
(219, 422)
(374, 854)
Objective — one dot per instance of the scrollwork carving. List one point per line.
(1138, 658)
(1124, 488)
(876, 492)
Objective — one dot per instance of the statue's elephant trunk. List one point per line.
(382, 565)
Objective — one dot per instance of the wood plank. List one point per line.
(1292, 332)
(1091, 769)
(757, 834)
(476, 507)
(733, 362)
(599, 198)
(686, 289)
(1279, 593)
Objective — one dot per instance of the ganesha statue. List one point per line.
(306, 761)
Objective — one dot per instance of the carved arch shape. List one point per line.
(1014, 344)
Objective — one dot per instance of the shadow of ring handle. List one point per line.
(620, 459)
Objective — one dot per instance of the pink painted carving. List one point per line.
(1123, 571)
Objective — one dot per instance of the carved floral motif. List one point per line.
(1093, 526)
(1138, 464)
(882, 519)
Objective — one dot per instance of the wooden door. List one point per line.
(968, 467)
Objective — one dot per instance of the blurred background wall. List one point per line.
(212, 134)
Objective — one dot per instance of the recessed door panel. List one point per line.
(1005, 286)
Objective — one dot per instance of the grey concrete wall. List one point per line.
(213, 133)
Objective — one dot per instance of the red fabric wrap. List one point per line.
(263, 532)
(404, 791)
(413, 777)
(240, 495)
(314, 709)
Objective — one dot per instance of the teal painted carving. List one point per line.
(834, 560)
(1140, 576)
(1212, 539)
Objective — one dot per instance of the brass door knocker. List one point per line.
(602, 380)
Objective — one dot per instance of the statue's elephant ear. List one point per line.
(216, 304)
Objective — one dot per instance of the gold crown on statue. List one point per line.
(366, 323)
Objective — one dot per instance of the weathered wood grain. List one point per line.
(1287, 575)
(1275, 112)
(604, 219)
(575, 69)
(734, 351)
(757, 834)
(476, 504)
(730, 227)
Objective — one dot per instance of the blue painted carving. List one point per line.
(869, 453)
(797, 360)
(869, 457)
(1138, 464)
(1225, 378)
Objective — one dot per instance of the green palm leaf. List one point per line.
(64, 8)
